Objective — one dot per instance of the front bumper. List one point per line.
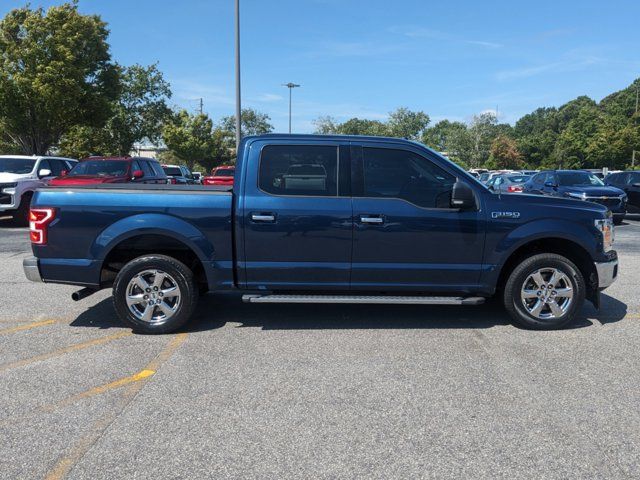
(31, 269)
(607, 273)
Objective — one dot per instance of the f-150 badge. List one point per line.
(505, 214)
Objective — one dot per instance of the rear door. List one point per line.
(297, 216)
(632, 188)
(406, 235)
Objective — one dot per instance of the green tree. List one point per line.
(404, 123)
(55, 73)
(139, 113)
(191, 138)
(504, 154)
(252, 121)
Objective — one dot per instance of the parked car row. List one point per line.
(20, 176)
(619, 190)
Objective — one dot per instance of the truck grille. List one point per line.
(606, 201)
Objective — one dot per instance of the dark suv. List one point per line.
(579, 185)
(629, 183)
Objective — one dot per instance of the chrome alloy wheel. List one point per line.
(547, 293)
(153, 296)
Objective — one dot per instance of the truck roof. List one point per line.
(309, 136)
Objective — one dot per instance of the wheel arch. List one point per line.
(565, 247)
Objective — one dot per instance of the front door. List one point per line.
(406, 235)
(297, 217)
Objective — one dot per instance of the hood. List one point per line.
(84, 180)
(594, 191)
(14, 177)
(522, 200)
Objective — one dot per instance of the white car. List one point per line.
(20, 176)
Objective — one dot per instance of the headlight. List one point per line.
(579, 196)
(10, 189)
(605, 226)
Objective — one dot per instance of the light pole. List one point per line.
(290, 86)
(238, 107)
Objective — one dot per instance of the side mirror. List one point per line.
(550, 184)
(636, 185)
(462, 196)
(44, 172)
(137, 174)
(63, 173)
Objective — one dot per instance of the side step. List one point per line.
(371, 299)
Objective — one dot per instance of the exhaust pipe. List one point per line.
(84, 293)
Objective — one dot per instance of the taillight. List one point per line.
(513, 189)
(39, 219)
(171, 181)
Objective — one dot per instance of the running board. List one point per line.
(370, 299)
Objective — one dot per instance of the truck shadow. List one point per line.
(215, 311)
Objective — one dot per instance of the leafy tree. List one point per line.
(442, 135)
(482, 133)
(504, 154)
(55, 73)
(252, 123)
(404, 123)
(137, 114)
(401, 123)
(191, 138)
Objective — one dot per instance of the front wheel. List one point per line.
(544, 292)
(155, 294)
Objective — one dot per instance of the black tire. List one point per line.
(21, 215)
(515, 305)
(618, 220)
(178, 273)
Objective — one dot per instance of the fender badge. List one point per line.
(505, 214)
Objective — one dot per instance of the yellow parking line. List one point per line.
(67, 462)
(141, 375)
(29, 326)
(62, 351)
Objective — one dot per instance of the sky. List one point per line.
(451, 59)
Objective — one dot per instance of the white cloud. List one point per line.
(421, 32)
(268, 97)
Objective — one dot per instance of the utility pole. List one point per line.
(201, 105)
(238, 106)
(290, 86)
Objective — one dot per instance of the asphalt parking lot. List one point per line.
(272, 391)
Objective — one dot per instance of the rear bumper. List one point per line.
(31, 269)
(607, 273)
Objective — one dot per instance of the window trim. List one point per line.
(359, 170)
(337, 147)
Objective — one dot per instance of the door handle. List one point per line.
(371, 220)
(263, 217)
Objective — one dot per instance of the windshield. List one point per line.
(574, 179)
(101, 168)
(17, 165)
(173, 171)
(224, 172)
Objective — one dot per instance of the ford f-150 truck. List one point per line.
(324, 219)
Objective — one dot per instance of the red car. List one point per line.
(220, 176)
(112, 170)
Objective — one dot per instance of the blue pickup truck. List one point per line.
(324, 219)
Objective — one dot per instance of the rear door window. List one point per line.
(305, 170)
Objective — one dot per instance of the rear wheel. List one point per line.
(155, 294)
(544, 292)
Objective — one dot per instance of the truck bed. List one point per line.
(94, 220)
